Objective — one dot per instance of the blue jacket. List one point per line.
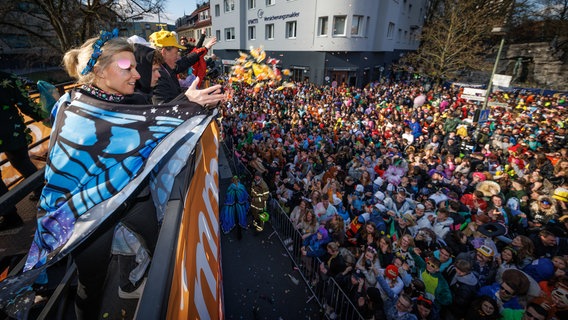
(416, 129)
(315, 247)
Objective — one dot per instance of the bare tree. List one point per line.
(455, 36)
(552, 10)
(62, 24)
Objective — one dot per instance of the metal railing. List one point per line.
(325, 290)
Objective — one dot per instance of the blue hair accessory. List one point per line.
(104, 37)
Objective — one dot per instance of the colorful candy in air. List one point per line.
(250, 69)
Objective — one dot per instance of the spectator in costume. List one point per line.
(259, 195)
(236, 206)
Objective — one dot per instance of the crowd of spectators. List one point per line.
(416, 209)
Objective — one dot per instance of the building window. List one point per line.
(251, 4)
(208, 32)
(229, 33)
(270, 2)
(218, 35)
(229, 5)
(323, 23)
(204, 15)
(252, 32)
(299, 74)
(339, 25)
(270, 31)
(291, 29)
(390, 31)
(217, 10)
(399, 35)
(357, 26)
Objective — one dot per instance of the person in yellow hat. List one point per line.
(166, 42)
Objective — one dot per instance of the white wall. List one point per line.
(377, 13)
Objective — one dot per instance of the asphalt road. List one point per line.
(257, 270)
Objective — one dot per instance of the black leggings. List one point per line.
(93, 259)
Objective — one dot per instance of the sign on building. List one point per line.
(501, 80)
(473, 94)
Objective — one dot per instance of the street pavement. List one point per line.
(258, 275)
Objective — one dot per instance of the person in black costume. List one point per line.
(15, 137)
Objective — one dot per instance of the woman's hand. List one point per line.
(208, 97)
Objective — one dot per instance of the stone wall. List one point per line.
(540, 64)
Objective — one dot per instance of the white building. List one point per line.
(351, 41)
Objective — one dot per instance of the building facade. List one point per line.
(191, 26)
(322, 41)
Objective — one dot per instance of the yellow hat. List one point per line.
(486, 251)
(561, 194)
(164, 38)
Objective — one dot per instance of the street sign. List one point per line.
(501, 80)
(483, 116)
(472, 97)
(498, 104)
(473, 94)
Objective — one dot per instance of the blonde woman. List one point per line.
(369, 265)
(91, 170)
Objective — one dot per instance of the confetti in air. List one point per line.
(251, 69)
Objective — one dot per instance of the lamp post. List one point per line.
(497, 31)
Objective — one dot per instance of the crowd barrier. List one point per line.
(324, 290)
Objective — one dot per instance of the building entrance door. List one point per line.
(340, 77)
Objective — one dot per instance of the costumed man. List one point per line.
(199, 67)
(236, 206)
(168, 87)
(259, 194)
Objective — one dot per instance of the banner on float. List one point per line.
(196, 291)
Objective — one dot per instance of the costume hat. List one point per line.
(164, 38)
(492, 229)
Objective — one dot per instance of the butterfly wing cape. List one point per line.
(100, 152)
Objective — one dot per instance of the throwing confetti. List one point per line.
(250, 69)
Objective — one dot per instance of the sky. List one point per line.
(175, 9)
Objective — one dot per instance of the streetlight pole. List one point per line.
(490, 85)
